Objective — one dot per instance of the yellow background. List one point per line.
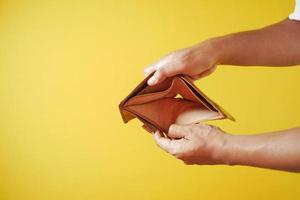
(65, 66)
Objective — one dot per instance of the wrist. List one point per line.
(218, 48)
(224, 153)
(214, 48)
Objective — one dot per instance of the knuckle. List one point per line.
(161, 72)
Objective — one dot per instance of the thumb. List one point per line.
(177, 131)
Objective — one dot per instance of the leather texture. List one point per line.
(175, 100)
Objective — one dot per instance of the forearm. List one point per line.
(275, 45)
(278, 150)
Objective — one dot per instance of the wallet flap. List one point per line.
(206, 99)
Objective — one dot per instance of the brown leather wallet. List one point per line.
(175, 100)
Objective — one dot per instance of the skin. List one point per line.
(275, 45)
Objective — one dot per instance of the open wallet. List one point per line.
(175, 100)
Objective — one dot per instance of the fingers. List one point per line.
(164, 72)
(196, 144)
(149, 70)
(155, 66)
(157, 77)
(177, 131)
(162, 142)
(168, 66)
(166, 144)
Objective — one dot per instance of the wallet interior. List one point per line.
(172, 101)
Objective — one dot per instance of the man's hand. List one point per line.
(275, 45)
(197, 61)
(206, 144)
(194, 144)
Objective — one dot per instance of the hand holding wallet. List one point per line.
(175, 100)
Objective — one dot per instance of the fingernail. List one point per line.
(152, 80)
